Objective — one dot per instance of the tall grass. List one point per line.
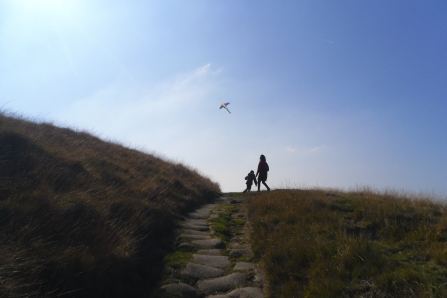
(80, 217)
(315, 243)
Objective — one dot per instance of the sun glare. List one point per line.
(45, 6)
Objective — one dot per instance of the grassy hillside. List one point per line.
(358, 244)
(81, 217)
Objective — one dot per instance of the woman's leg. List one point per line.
(268, 188)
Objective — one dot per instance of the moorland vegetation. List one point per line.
(83, 217)
(323, 243)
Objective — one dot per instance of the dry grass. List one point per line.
(317, 243)
(80, 217)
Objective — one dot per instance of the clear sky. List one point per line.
(333, 93)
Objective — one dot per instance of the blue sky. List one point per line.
(334, 93)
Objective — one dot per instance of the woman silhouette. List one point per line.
(263, 168)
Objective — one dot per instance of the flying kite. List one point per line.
(224, 105)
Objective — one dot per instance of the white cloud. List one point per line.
(318, 148)
(184, 89)
(117, 104)
(290, 149)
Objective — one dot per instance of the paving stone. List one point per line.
(197, 227)
(241, 253)
(206, 207)
(198, 222)
(247, 292)
(171, 281)
(224, 200)
(187, 246)
(213, 261)
(259, 278)
(244, 266)
(198, 215)
(221, 284)
(168, 270)
(208, 259)
(182, 290)
(195, 237)
(210, 252)
(197, 271)
(194, 232)
(211, 243)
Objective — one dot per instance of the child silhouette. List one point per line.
(250, 179)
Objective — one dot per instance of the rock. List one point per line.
(210, 252)
(182, 290)
(195, 232)
(224, 199)
(207, 207)
(187, 246)
(197, 227)
(171, 281)
(248, 292)
(217, 296)
(196, 237)
(197, 271)
(198, 215)
(243, 266)
(199, 222)
(211, 243)
(213, 261)
(241, 253)
(168, 270)
(221, 284)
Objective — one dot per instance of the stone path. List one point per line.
(213, 269)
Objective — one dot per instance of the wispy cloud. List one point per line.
(290, 149)
(119, 104)
(318, 148)
(183, 89)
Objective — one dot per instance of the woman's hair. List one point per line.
(262, 157)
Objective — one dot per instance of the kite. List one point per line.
(224, 105)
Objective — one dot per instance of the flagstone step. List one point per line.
(221, 284)
(182, 290)
(206, 274)
(211, 243)
(197, 237)
(198, 271)
(213, 261)
(197, 227)
(210, 252)
(241, 266)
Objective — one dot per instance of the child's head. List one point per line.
(262, 157)
(251, 172)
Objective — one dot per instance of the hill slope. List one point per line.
(83, 217)
(315, 243)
